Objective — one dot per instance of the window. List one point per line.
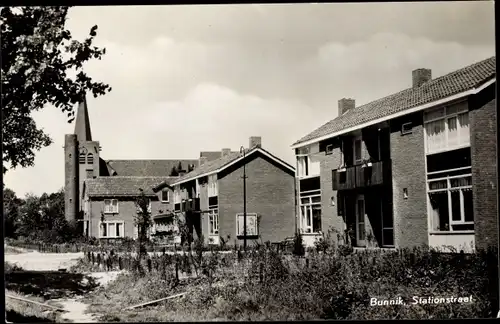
(310, 211)
(177, 195)
(307, 166)
(90, 158)
(446, 128)
(81, 159)
(357, 150)
(212, 185)
(450, 195)
(164, 195)
(213, 221)
(329, 149)
(112, 229)
(406, 128)
(252, 226)
(139, 210)
(307, 163)
(111, 206)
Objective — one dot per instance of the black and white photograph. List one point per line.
(250, 162)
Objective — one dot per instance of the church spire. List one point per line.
(82, 124)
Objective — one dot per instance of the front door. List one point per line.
(360, 221)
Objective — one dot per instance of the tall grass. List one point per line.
(325, 284)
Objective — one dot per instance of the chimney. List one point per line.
(203, 160)
(346, 104)
(255, 141)
(225, 151)
(421, 76)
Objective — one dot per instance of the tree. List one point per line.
(179, 167)
(143, 222)
(11, 212)
(42, 218)
(37, 53)
(174, 172)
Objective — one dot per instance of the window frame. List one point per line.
(467, 174)
(108, 223)
(168, 196)
(306, 211)
(445, 116)
(109, 211)
(213, 190)
(355, 139)
(256, 222)
(213, 213)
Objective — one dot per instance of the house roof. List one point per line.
(212, 155)
(223, 162)
(456, 82)
(146, 168)
(123, 186)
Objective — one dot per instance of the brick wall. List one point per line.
(126, 213)
(483, 127)
(270, 193)
(408, 171)
(71, 197)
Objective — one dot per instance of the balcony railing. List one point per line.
(191, 205)
(360, 176)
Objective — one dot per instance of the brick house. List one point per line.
(94, 185)
(109, 204)
(211, 200)
(415, 167)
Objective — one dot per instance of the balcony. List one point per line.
(191, 205)
(360, 176)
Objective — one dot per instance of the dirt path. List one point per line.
(74, 307)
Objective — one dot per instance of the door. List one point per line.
(360, 221)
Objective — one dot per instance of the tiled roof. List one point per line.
(214, 165)
(448, 85)
(123, 186)
(146, 168)
(212, 155)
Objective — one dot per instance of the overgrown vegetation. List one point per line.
(325, 284)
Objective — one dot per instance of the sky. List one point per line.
(197, 78)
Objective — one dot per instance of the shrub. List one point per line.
(298, 245)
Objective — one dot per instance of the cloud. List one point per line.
(187, 78)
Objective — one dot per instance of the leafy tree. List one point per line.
(11, 212)
(37, 53)
(174, 172)
(42, 219)
(143, 222)
(179, 167)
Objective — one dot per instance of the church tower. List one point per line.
(81, 162)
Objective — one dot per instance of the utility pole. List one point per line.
(242, 150)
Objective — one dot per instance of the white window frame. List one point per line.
(359, 139)
(108, 224)
(250, 217)
(463, 135)
(138, 208)
(306, 211)
(308, 164)
(165, 191)
(108, 208)
(177, 194)
(467, 174)
(213, 221)
(213, 189)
